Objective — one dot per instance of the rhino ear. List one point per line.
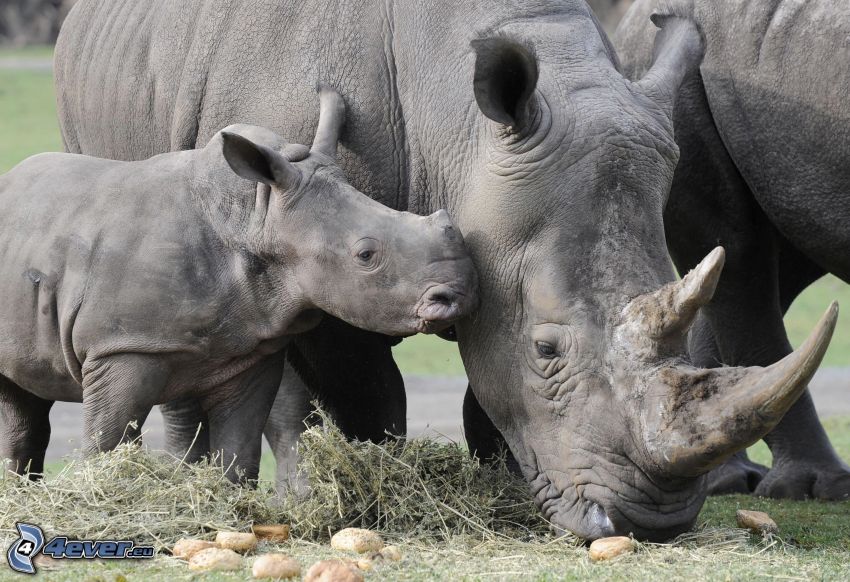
(505, 78)
(258, 163)
(678, 52)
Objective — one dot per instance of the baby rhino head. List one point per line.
(377, 268)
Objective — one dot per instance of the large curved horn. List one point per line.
(708, 415)
(655, 324)
(331, 120)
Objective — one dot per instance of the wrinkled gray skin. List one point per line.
(513, 116)
(128, 284)
(609, 12)
(764, 132)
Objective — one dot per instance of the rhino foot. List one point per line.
(737, 475)
(794, 480)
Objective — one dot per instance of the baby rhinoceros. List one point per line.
(128, 284)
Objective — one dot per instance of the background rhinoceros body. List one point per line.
(764, 131)
(513, 116)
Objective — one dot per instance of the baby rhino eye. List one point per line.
(365, 252)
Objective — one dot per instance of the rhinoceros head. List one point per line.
(379, 269)
(577, 353)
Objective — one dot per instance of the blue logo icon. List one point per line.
(26, 548)
(30, 543)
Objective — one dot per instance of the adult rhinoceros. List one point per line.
(514, 117)
(764, 132)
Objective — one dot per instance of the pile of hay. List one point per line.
(131, 494)
(417, 488)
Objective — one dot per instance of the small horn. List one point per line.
(331, 120)
(711, 414)
(656, 323)
(678, 52)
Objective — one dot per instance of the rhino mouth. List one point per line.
(431, 327)
(593, 511)
(439, 308)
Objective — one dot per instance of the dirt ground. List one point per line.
(434, 408)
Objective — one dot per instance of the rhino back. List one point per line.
(778, 90)
(778, 85)
(173, 73)
(140, 77)
(94, 253)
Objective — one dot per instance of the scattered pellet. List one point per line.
(333, 571)
(185, 548)
(236, 541)
(272, 532)
(358, 540)
(215, 559)
(756, 521)
(277, 566)
(608, 548)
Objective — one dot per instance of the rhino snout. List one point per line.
(441, 220)
(439, 307)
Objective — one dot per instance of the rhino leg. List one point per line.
(118, 394)
(804, 462)
(187, 433)
(710, 202)
(353, 374)
(291, 408)
(25, 428)
(237, 414)
(482, 437)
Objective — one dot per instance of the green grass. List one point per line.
(28, 123)
(808, 309)
(27, 52)
(813, 544)
(428, 356)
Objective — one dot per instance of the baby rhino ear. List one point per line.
(258, 163)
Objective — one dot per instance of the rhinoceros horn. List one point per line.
(657, 323)
(678, 51)
(706, 415)
(331, 120)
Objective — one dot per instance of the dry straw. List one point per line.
(419, 491)
(415, 488)
(412, 488)
(131, 494)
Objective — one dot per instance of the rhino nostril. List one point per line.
(440, 303)
(441, 297)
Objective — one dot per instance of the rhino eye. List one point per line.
(366, 251)
(546, 350)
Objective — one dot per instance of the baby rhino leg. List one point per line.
(238, 412)
(291, 408)
(118, 393)
(24, 428)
